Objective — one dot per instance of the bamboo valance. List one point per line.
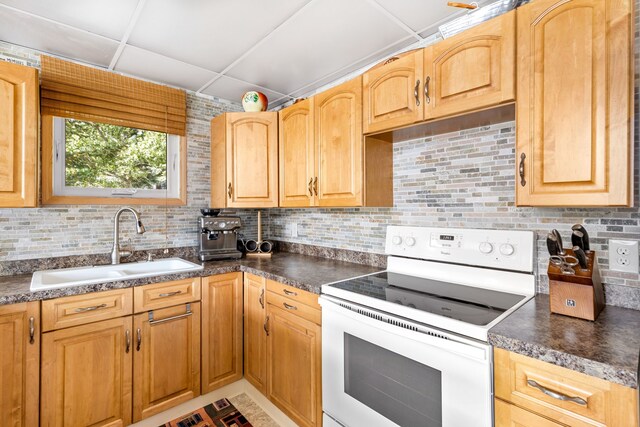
(85, 93)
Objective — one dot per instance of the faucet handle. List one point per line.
(127, 249)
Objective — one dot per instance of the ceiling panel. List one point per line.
(208, 33)
(231, 89)
(151, 66)
(106, 18)
(421, 15)
(344, 74)
(324, 37)
(26, 30)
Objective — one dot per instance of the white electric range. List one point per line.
(408, 346)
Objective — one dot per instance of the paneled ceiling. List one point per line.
(284, 48)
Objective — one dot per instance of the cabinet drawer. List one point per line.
(82, 309)
(306, 312)
(563, 395)
(166, 294)
(295, 294)
(508, 415)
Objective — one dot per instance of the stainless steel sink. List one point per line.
(67, 277)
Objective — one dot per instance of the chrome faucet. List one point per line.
(116, 252)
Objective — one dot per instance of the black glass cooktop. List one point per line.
(465, 303)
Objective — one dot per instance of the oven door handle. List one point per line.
(371, 318)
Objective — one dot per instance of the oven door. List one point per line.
(380, 370)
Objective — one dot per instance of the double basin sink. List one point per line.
(67, 277)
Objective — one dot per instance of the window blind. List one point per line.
(85, 93)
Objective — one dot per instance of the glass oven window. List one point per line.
(398, 388)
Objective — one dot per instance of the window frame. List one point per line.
(55, 192)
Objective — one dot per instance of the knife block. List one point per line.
(580, 295)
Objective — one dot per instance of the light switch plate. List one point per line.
(623, 255)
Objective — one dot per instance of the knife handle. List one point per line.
(559, 242)
(552, 244)
(585, 236)
(581, 256)
(576, 239)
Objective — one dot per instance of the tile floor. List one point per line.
(250, 409)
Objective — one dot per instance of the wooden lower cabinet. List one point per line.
(294, 365)
(19, 364)
(86, 375)
(166, 362)
(507, 415)
(221, 330)
(564, 396)
(255, 338)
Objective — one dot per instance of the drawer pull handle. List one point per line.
(266, 325)
(168, 319)
(169, 294)
(289, 306)
(261, 299)
(138, 339)
(556, 395)
(416, 93)
(32, 330)
(288, 292)
(315, 185)
(523, 181)
(229, 190)
(127, 337)
(93, 308)
(311, 187)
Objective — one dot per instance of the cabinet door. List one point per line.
(86, 372)
(297, 155)
(339, 145)
(252, 160)
(575, 103)
(507, 415)
(294, 366)
(221, 330)
(18, 135)
(392, 93)
(471, 70)
(166, 359)
(255, 338)
(19, 364)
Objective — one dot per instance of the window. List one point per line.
(99, 160)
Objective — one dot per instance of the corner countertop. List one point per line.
(304, 272)
(608, 348)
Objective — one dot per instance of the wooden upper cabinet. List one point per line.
(19, 364)
(297, 155)
(86, 373)
(18, 136)
(221, 330)
(575, 103)
(166, 359)
(392, 93)
(255, 338)
(244, 160)
(471, 70)
(339, 145)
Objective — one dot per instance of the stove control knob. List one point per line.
(223, 224)
(486, 247)
(410, 241)
(507, 249)
(396, 240)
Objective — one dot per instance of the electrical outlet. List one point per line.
(623, 255)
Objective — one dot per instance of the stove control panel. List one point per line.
(504, 249)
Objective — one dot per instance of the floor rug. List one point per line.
(220, 413)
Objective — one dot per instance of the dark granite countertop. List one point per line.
(608, 348)
(301, 271)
